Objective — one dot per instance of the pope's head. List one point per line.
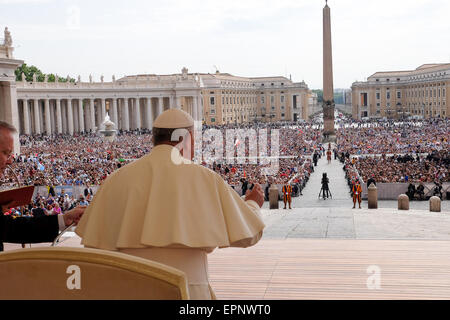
(175, 127)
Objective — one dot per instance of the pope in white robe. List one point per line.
(165, 208)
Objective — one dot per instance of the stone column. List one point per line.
(194, 108)
(160, 105)
(48, 126)
(178, 103)
(126, 116)
(64, 115)
(328, 92)
(372, 196)
(52, 104)
(200, 108)
(435, 204)
(149, 113)
(103, 110)
(58, 116)
(273, 197)
(114, 113)
(70, 116)
(37, 123)
(26, 117)
(403, 202)
(75, 113)
(137, 114)
(80, 115)
(92, 114)
(171, 102)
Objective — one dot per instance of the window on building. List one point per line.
(388, 95)
(213, 119)
(282, 99)
(282, 115)
(399, 94)
(211, 101)
(378, 96)
(272, 99)
(213, 111)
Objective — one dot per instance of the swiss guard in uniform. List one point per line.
(356, 191)
(287, 191)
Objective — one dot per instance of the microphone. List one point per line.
(15, 175)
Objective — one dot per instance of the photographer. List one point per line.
(325, 188)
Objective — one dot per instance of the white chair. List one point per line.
(82, 273)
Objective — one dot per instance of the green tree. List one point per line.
(29, 71)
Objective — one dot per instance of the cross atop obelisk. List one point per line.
(328, 92)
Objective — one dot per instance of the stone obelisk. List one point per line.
(328, 96)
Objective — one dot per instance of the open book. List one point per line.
(17, 197)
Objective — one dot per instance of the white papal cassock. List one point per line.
(171, 213)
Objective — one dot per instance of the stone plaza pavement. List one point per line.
(312, 217)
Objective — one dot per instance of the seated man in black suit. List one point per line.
(22, 229)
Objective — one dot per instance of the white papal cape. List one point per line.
(162, 204)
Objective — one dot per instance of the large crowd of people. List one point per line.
(387, 151)
(396, 151)
(391, 137)
(87, 159)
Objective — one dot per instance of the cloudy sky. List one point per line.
(241, 37)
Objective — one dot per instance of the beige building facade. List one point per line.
(229, 99)
(421, 93)
(134, 102)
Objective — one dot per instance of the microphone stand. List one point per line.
(15, 175)
(18, 184)
(56, 241)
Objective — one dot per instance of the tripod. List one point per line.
(322, 191)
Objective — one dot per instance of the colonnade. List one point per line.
(78, 115)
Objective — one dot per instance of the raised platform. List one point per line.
(335, 253)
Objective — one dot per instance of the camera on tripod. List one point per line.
(325, 189)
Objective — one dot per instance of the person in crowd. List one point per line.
(325, 186)
(371, 180)
(357, 191)
(287, 192)
(411, 191)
